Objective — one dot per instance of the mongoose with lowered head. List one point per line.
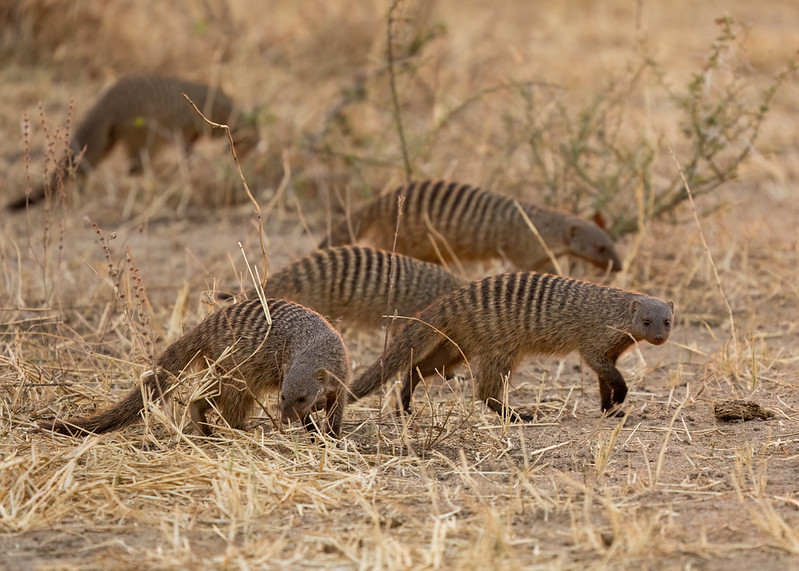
(353, 284)
(300, 354)
(144, 112)
(497, 321)
(472, 224)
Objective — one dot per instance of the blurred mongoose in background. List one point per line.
(469, 223)
(300, 355)
(144, 112)
(360, 286)
(495, 322)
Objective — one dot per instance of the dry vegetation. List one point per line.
(576, 104)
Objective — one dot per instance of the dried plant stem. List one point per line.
(709, 256)
(534, 230)
(242, 177)
(394, 95)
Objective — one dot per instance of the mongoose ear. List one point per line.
(634, 305)
(671, 307)
(574, 230)
(600, 221)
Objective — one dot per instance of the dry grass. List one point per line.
(92, 288)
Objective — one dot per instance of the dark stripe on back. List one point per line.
(356, 282)
(466, 198)
(446, 200)
(540, 293)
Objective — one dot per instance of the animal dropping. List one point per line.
(444, 220)
(497, 321)
(300, 355)
(144, 112)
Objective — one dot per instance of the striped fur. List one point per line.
(143, 112)
(353, 284)
(497, 321)
(475, 225)
(300, 355)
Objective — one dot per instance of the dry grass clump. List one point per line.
(575, 105)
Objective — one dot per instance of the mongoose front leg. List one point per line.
(612, 388)
(334, 410)
(308, 424)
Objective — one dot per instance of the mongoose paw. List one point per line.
(403, 409)
(516, 416)
(614, 411)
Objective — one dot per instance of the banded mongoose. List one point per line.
(353, 284)
(475, 225)
(300, 354)
(497, 321)
(144, 112)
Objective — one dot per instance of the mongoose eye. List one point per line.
(647, 323)
(602, 249)
(300, 399)
(667, 323)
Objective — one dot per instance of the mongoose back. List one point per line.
(300, 355)
(353, 284)
(497, 321)
(143, 112)
(475, 224)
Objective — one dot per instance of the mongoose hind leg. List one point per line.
(444, 356)
(491, 376)
(235, 402)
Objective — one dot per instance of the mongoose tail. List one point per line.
(155, 384)
(445, 220)
(125, 412)
(299, 354)
(497, 321)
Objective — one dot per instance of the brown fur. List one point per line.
(143, 112)
(353, 284)
(476, 225)
(301, 355)
(497, 321)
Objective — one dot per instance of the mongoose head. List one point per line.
(591, 243)
(302, 387)
(651, 319)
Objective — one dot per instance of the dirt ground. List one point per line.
(92, 287)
